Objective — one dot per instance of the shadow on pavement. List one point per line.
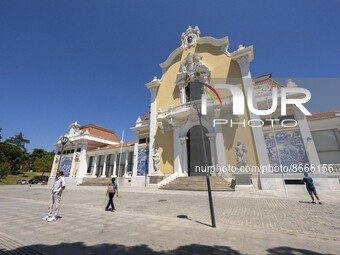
(305, 202)
(187, 218)
(112, 249)
(292, 251)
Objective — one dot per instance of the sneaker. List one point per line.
(51, 219)
(320, 203)
(313, 202)
(45, 218)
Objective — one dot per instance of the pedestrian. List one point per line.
(57, 190)
(111, 191)
(311, 188)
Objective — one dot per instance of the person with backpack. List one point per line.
(111, 191)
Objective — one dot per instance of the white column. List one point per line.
(243, 60)
(115, 166)
(95, 159)
(220, 150)
(55, 161)
(73, 160)
(135, 156)
(181, 89)
(153, 87)
(82, 165)
(306, 135)
(177, 149)
(126, 162)
(184, 153)
(212, 137)
(104, 166)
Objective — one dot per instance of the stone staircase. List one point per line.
(100, 181)
(198, 183)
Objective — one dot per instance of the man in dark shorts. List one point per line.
(311, 188)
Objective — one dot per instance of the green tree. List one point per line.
(38, 153)
(5, 169)
(13, 155)
(0, 134)
(19, 141)
(43, 164)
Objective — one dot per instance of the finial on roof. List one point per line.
(240, 47)
(290, 83)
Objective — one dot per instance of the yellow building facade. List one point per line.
(172, 129)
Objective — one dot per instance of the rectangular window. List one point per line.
(120, 164)
(130, 163)
(109, 165)
(90, 166)
(327, 145)
(142, 140)
(100, 165)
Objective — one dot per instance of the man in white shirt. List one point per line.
(57, 190)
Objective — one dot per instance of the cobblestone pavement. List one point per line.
(169, 222)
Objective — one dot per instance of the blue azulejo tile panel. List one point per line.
(65, 166)
(143, 162)
(287, 150)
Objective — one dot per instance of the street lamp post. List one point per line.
(211, 205)
(63, 141)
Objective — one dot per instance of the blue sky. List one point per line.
(87, 61)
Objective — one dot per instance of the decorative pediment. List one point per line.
(74, 129)
(190, 36)
(192, 68)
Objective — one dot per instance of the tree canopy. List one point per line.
(19, 141)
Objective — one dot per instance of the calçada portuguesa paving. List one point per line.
(149, 221)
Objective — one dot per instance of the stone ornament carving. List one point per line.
(190, 36)
(156, 161)
(77, 157)
(192, 68)
(240, 154)
(263, 89)
(244, 60)
(74, 129)
(57, 158)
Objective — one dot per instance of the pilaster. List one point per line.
(244, 56)
(184, 153)
(153, 87)
(306, 135)
(104, 166)
(95, 159)
(115, 166)
(212, 137)
(135, 156)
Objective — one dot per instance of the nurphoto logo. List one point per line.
(239, 102)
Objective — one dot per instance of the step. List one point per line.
(198, 183)
(99, 181)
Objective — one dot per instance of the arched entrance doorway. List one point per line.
(195, 151)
